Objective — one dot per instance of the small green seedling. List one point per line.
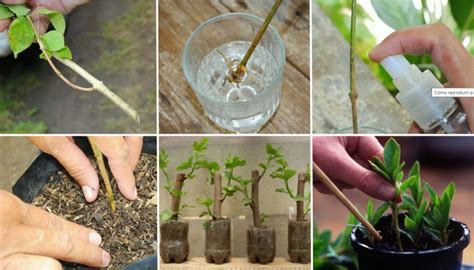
(421, 216)
(22, 33)
(190, 166)
(437, 219)
(391, 170)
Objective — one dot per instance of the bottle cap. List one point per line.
(395, 65)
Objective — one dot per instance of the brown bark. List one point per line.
(217, 196)
(176, 200)
(255, 205)
(300, 192)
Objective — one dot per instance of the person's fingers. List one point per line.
(56, 244)
(437, 40)
(366, 147)
(323, 189)
(14, 2)
(4, 24)
(73, 160)
(415, 128)
(40, 21)
(117, 152)
(20, 261)
(135, 144)
(33, 216)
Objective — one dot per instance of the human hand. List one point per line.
(31, 238)
(122, 153)
(41, 21)
(345, 161)
(447, 53)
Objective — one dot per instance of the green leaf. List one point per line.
(205, 201)
(56, 18)
(53, 41)
(5, 13)
(398, 14)
(391, 155)
(163, 164)
(19, 10)
(450, 190)
(379, 170)
(200, 146)
(299, 198)
(64, 53)
(370, 210)
(166, 215)
(463, 13)
(204, 214)
(21, 35)
(380, 212)
(184, 166)
(281, 190)
(408, 183)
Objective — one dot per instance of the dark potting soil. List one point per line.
(388, 242)
(129, 234)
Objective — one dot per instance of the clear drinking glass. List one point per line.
(247, 107)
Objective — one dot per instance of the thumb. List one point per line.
(30, 262)
(73, 160)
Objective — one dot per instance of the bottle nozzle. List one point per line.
(395, 65)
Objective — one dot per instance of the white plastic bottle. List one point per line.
(432, 114)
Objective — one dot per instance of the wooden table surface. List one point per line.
(180, 110)
(236, 263)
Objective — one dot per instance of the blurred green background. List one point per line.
(376, 19)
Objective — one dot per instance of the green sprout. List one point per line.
(190, 166)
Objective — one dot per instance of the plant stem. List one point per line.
(395, 227)
(217, 196)
(242, 65)
(300, 192)
(103, 172)
(176, 198)
(96, 84)
(353, 91)
(255, 205)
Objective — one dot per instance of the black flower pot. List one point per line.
(261, 245)
(218, 241)
(31, 183)
(444, 258)
(299, 241)
(174, 244)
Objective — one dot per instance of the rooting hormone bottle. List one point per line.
(432, 114)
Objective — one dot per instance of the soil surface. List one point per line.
(113, 40)
(389, 243)
(130, 233)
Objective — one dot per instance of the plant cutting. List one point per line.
(261, 240)
(22, 33)
(218, 229)
(299, 229)
(174, 244)
(419, 233)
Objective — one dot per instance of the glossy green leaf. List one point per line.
(166, 215)
(391, 156)
(5, 13)
(19, 10)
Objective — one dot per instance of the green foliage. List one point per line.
(206, 202)
(333, 255)
(422, 216)
(463, 13)
(22, 34)
(437, 218)
(398, 14)
(195, 162)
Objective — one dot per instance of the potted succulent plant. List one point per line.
(174, 244)
(46, 184)
(419, 233)
(299, 229)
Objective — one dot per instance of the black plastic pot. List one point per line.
(218, 241)
(30, 184)
(445, 258)
(261, 245)
(174, 244)
(299, 241)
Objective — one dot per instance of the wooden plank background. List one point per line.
(180, 111)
